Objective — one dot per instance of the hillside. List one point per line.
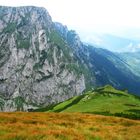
(105, 100)
(133, 59)
(111, 69)
(104, 66)
(66, 126)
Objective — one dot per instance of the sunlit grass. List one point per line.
(105, 100)
(66, 126)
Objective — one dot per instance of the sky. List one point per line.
(87, 17)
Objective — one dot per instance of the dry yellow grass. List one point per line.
(66, 126)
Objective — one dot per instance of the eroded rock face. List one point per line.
(36, 64)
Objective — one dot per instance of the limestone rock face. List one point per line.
(37, 67)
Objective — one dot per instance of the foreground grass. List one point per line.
(66, 126)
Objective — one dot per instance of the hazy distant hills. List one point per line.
(113, 43)
(111, 68)
(133, 59)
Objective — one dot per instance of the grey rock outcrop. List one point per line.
(36, 64)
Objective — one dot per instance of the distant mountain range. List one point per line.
(133, 60)
(113, 43)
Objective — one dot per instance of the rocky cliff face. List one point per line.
(37, 66)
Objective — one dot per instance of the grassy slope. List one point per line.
(77, 126)
(66, 126)
(102, 100)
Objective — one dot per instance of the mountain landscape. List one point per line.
(45, 67)
(44, 63)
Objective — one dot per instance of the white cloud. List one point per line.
(132, 48)
(21, 2)
(88, 12)
(89, 15)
